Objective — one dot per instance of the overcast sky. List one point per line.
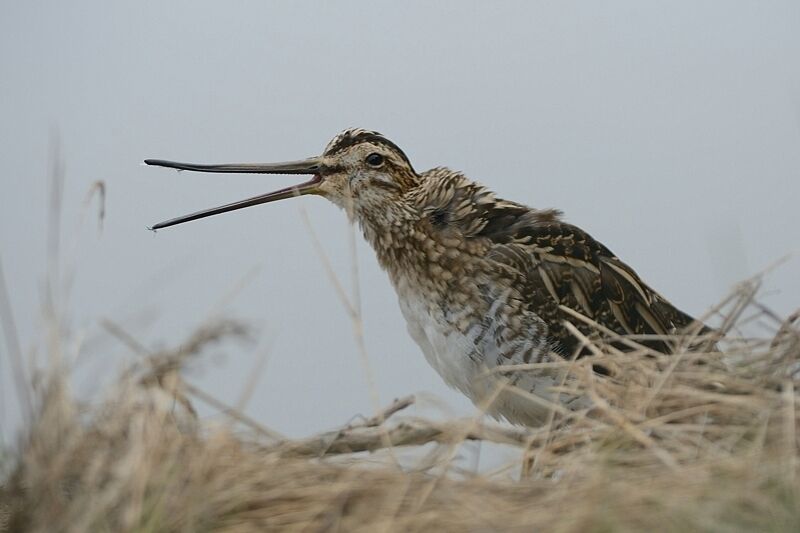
(668, 130)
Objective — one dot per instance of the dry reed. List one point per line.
(703, 441)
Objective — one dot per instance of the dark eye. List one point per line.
(374, 160)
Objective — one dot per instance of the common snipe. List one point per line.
(482, 282)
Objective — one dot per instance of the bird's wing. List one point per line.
(555, 265)
(558, 264)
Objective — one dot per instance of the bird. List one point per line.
(483, 283)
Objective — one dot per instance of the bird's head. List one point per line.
(360, 170)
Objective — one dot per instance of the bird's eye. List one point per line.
(374, 160)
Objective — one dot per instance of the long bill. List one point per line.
(310, 166)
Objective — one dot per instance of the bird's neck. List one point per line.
(417, 255)
(393, 233)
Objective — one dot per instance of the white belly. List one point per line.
(448, 351)
(445, 348)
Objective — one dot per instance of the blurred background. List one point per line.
(668, 130)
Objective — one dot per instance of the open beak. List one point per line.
(310, 166)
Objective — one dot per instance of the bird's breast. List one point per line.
(450, 351)
(465, 343)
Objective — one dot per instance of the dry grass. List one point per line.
(692, 441)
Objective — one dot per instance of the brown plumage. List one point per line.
(481, 281)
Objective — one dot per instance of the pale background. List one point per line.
(668, 130)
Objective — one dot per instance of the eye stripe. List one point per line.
(331, 169)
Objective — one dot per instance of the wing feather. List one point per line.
(564, 265)
(553, 264)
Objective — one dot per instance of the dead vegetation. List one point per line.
(692, 441)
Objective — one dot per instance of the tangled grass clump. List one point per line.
(702, 441)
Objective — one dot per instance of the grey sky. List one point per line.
(668, 130)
